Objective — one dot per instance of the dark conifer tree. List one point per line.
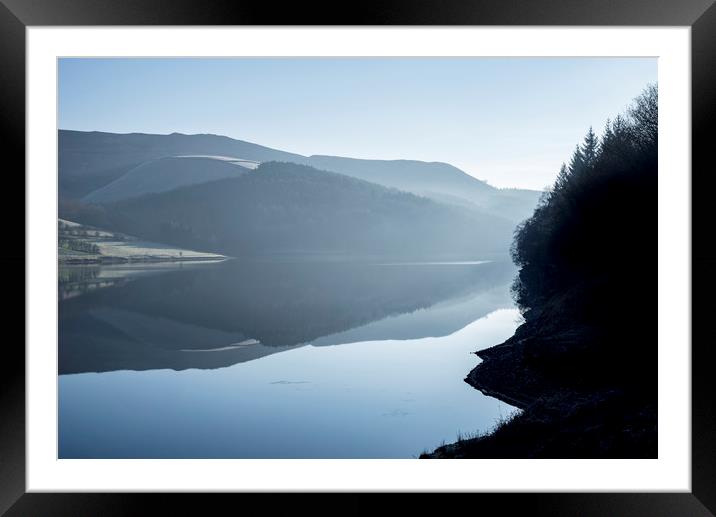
(590, 148)
(562, 178)
(593, 242)
(576, 164)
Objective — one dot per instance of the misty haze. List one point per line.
(321, 288)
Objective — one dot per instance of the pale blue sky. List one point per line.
(510, 121)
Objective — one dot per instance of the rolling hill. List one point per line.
(285, 208)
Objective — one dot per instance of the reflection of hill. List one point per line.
(236, 311)
(441, 319)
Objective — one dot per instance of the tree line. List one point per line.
(79, 245)
(599, 217)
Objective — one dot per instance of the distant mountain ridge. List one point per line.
(89, 162)
(437, 180)
(410, 175)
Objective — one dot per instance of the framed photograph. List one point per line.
(442, 248)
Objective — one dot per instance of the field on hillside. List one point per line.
(85, 244)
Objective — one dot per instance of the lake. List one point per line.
(276, 358)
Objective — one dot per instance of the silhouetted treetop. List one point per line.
(590, 148)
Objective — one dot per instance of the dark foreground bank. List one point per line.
(562, 416)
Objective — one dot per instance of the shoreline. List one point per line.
(561, 415)
(109, 260)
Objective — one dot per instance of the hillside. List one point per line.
(99, 167)
(437, 180)
(165, 174)
(409, 175)
(91, 160)
(289, 208)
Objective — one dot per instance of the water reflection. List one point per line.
(135, 319)
(278, 359)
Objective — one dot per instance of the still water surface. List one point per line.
(276, 359)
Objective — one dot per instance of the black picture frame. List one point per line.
(700, 15)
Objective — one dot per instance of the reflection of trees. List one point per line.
(78, 245)
(75, 280)
(67, 275)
